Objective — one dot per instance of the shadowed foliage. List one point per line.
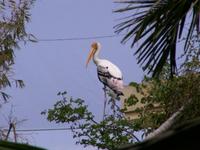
(4, 145)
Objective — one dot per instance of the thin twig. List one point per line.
(14, 132)
(8, 133)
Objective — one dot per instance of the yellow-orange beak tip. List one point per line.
(91, 54)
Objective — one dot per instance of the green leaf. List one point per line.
(132, 100)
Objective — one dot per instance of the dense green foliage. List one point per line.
(172, 94)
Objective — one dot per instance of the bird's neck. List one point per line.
(96, 58)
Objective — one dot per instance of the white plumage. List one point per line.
(108, 73)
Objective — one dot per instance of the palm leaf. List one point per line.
(157, 24)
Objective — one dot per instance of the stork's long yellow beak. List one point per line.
(91, 54)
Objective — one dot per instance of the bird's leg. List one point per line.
(113, 106)
(105, 101)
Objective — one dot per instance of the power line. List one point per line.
(79, 38)
(40, 129)
(82, 38)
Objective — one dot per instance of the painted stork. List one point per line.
(108, 73)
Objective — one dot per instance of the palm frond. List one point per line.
(157, 24)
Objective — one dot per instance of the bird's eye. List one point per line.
(106, 67)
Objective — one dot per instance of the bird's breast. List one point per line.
(107, 66)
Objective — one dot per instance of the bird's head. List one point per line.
(94, 47)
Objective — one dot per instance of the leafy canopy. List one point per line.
(110, 133)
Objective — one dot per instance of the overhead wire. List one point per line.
(77, 38)
(81, 38)
(40, 129)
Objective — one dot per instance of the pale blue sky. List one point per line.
(50, 67)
